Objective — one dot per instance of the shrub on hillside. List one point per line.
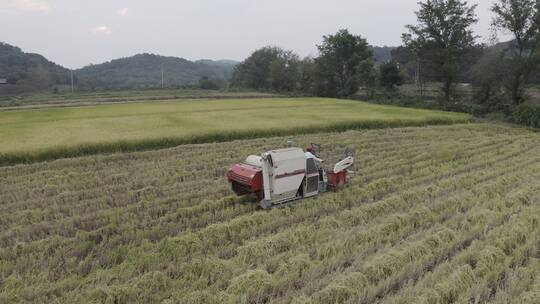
(527, 114)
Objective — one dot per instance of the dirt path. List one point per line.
(118, 100)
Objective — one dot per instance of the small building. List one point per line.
(3, 80)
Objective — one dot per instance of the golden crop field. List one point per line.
(442, 214)
(50, 133)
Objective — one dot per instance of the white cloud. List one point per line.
(123, 12)
(101, 30)
(31, 5)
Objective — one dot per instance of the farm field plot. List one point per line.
(45, 100)
(30, 135)
(437, 214)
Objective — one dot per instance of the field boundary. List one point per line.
(125, 100)
(14, 158)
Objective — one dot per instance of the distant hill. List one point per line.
(27, 72)
(223, 62)
(382, 54)
(144, 71)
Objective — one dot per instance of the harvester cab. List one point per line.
(280, 176)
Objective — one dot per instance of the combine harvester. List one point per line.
(281, 176)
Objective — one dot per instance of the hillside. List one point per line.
(382, 54)
(27, 71)
(144, 71)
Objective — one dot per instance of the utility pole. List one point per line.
(72, 89)
(418, 78)
(162, 78)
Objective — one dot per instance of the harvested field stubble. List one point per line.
(433, 215)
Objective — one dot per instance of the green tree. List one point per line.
(522, 19)
(341, 64)
(390, 75)
(443, 39)
(407, 62)
(487, 76)
(207, 83)
(368, 77)
(254, 71)
(307, 75)
(285, 72)
(268, 68)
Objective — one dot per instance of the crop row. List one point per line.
(63, 205)
(365, 243)
(104, 174)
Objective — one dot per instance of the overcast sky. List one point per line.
(75, 33)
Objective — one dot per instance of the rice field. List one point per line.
(50, 133)
(42, 100)
(441, 214)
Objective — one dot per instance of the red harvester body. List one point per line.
(280, 176)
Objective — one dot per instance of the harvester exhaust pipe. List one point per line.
(266, 202)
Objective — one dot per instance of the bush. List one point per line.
(528, 115)
(207, 83)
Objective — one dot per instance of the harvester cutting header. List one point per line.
(280, 176)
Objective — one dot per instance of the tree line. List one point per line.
(345, 62)
(441, 47)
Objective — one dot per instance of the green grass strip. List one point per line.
(13, 158)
